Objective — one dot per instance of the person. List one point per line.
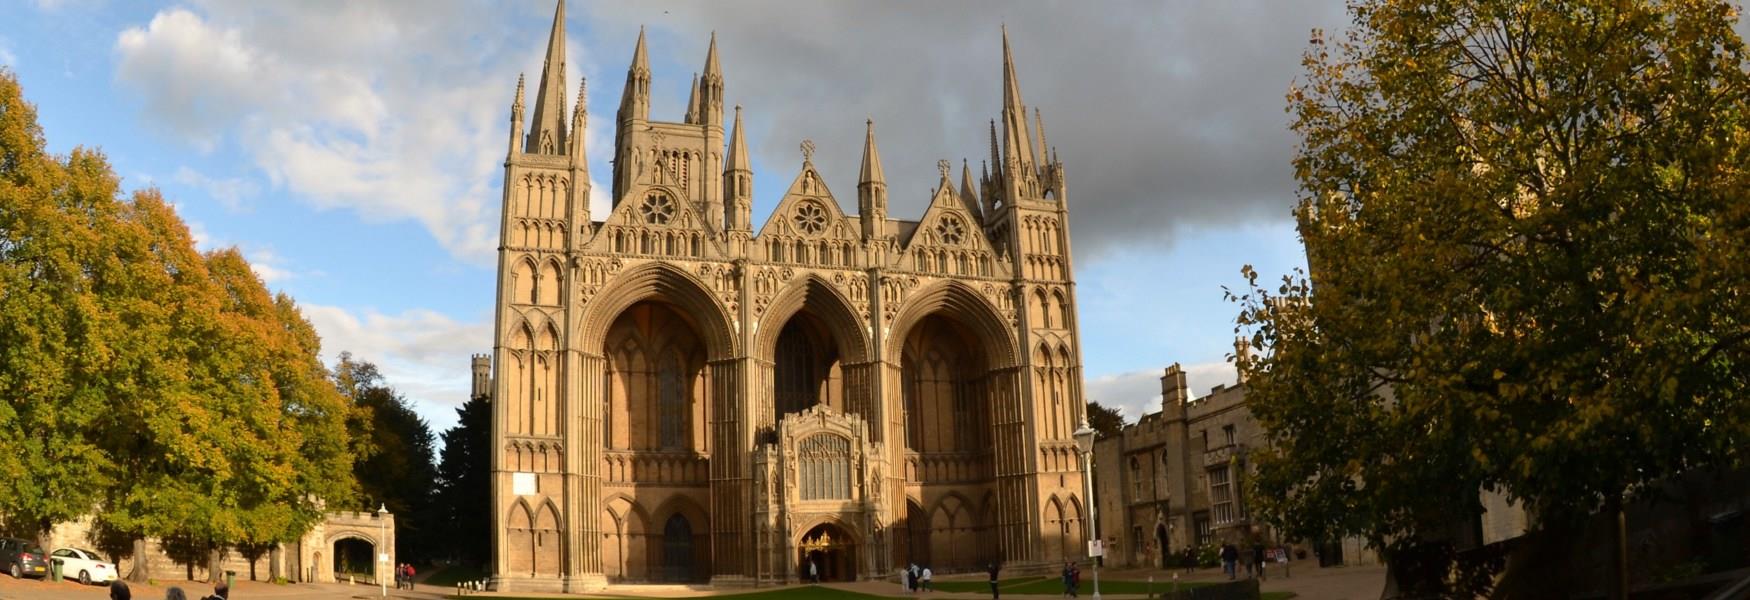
(905, 574)
(994, 594)
(175, 593)
(1075, 579)
(1258, 560)
(118, 590)
(220, 591)
(916, 574)
(925, 578)
(1065, 576)
(813, 572)
(1230, 557)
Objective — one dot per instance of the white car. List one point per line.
(83, 565)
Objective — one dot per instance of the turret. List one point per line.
(1174, 392)
(635, 100)
(516, 119)
(482, 376)
(711, 89)
(547, 128)
(872, 189)
(738, 180)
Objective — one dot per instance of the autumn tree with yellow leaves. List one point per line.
(1527, 226)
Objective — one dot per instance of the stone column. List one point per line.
(731, 558)
(582, 468)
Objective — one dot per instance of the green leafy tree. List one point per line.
(1107, 421)
(395, 467)
(465, 492)
(1526, 229)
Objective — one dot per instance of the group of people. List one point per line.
(404, 576)
(1072, 579)
(1230, 561)
(916, 579)
(118, 590)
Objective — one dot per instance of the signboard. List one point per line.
(1096, 548)
(383, 557)
(1279, 555)
(523, 484)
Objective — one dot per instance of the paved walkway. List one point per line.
(1310, 583)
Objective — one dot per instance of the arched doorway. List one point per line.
(1161, 543)
(677, 550)
(831, 550)
(355, 559)
(946, 399)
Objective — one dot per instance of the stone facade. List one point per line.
(1177, 479)
(679, 397)
(310, 559)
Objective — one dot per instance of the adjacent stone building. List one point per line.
(1177, 479)
(679, 396)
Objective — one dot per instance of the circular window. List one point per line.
(657, 209)
(810, 218)
(950, 230)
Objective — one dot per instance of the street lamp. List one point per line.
(1085, 443)
(382, 557)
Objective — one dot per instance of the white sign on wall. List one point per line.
(523, 484)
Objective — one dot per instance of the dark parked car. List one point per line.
(23, 558)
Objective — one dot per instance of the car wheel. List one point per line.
(17, 573)
(84, 578)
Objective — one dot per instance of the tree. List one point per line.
(395, 468)
(1107, 421)
(1526, 231)
(465, 492)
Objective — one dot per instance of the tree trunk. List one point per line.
(142, 562)
(1618, 584)
(215, 564)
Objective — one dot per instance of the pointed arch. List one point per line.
(666, 283)
(961, 303)
(551, 283)
(1062, 315)
(815, 294)
(522, 281)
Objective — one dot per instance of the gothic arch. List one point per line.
(522, 281)
(809, 524)
(668, 283)
(961, 303)
(813, 293)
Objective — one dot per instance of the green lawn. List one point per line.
(1027, 586)
(449, 576)
(1276, 596)
(791, 593)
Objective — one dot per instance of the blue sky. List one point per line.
(353, 150)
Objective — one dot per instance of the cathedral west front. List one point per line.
(681, 396)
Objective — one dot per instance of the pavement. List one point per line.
(1309, 583)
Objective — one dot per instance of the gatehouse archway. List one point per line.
(831, 550)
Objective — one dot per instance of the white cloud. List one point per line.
(1139, 392)
(229, 192)
(421, 353)
(388, 109)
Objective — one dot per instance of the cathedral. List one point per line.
(681, 397)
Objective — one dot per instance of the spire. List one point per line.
(711, 88)
(1020, 144)
(738, 181)
(968, 195)
(693, 101)
(1040, 126)
(635, 101)
(737, 147)
(516, 116)
(580, 121)
(547, 127)
(871, 159)
(996, 157)
(872, 190)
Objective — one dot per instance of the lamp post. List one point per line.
(1084, 436)
(382, 541)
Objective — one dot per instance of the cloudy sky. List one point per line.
(353, 150)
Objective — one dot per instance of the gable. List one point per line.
(656, 220)
(949, 240)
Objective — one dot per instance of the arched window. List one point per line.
(671, 396)
(826, 467)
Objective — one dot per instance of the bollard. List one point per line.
(230, 580)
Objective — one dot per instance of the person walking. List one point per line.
(994, 594)
(1258, 560)
(1075, 579)
(813, 572)
(1230, 557)
(1065, 577)
(926, 576)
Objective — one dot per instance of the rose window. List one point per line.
(950, 230)
(657, 209)
(810, 218)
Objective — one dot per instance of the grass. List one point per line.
(1028, 586)
(453, 574)
(791, 593)
(1276, 596)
